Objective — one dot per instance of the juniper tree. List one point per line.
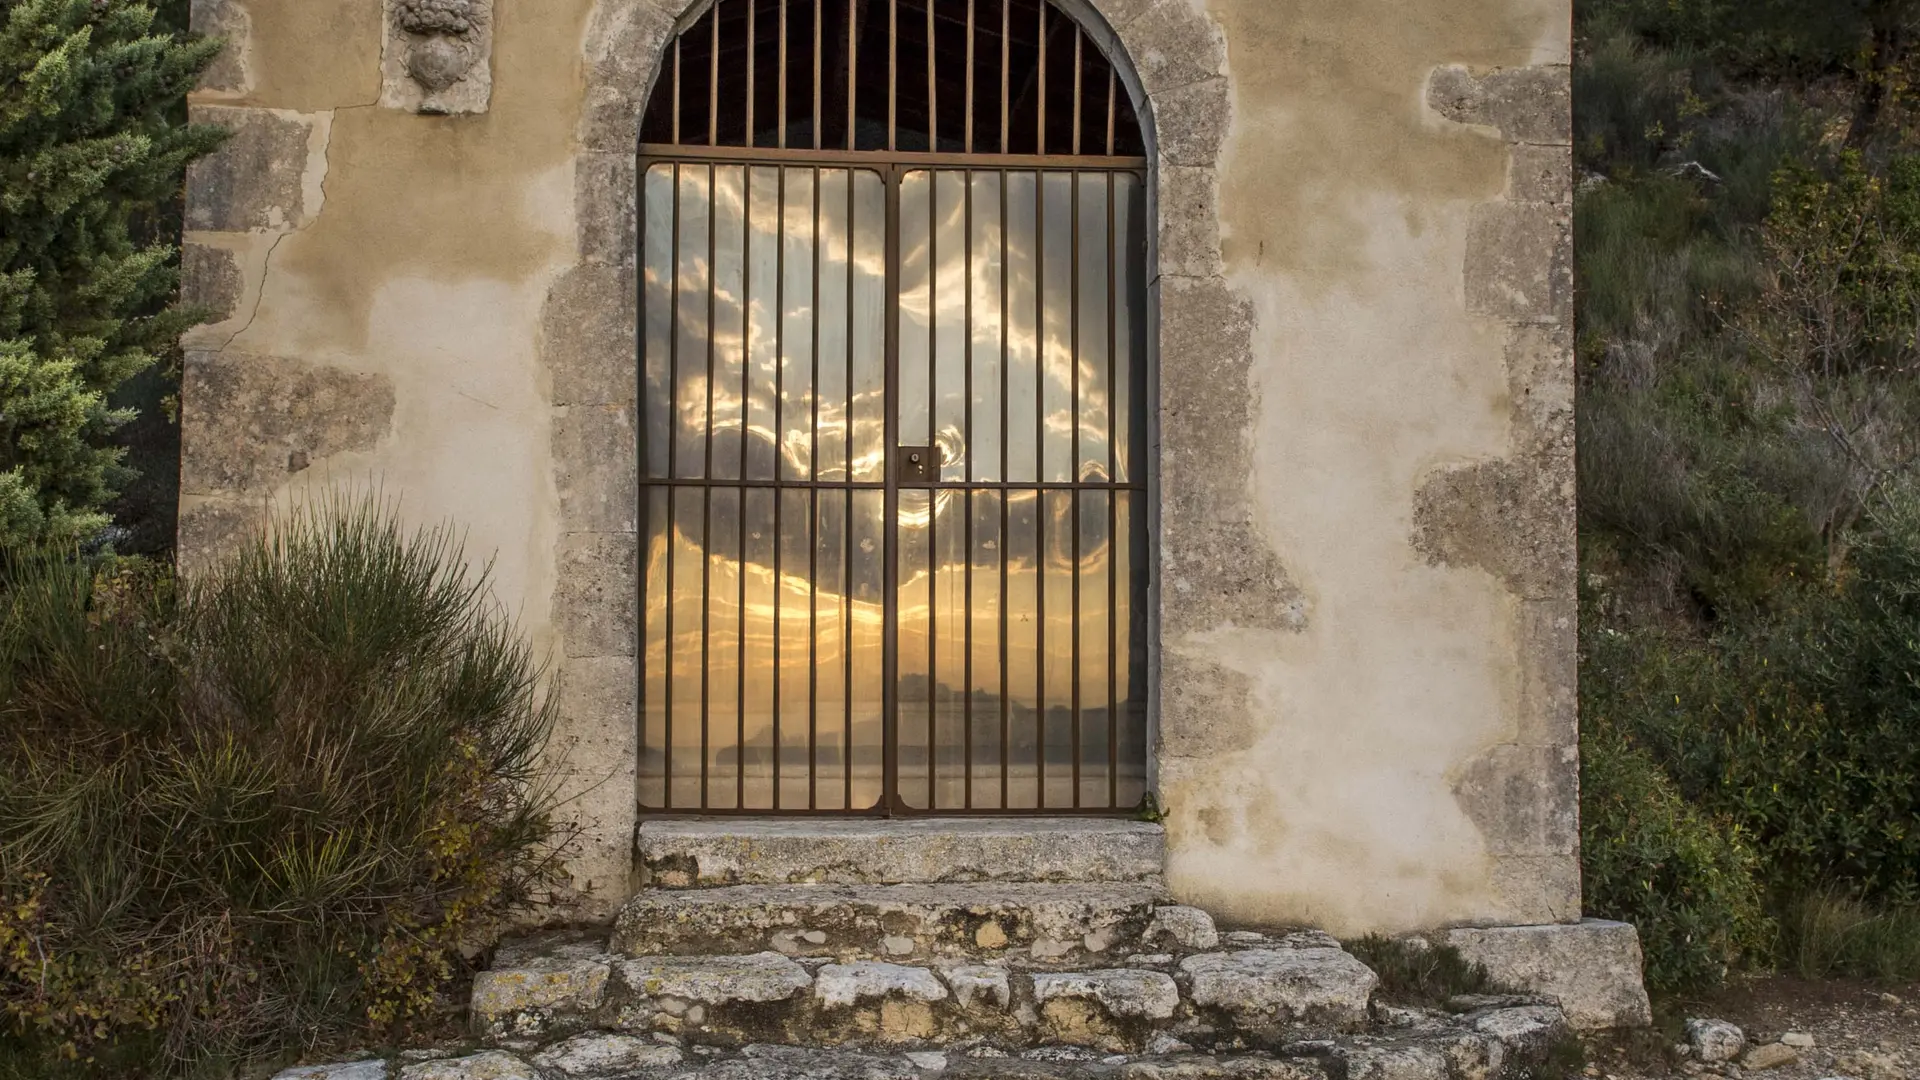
(93, 146)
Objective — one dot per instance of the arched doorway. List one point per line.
(893, 390)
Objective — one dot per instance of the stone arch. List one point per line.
(1173, 61)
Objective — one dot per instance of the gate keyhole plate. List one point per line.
(919, 464)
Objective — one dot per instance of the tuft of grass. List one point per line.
(1417, 972)
(1829, 933)
(1563, 1059)
(263, 811)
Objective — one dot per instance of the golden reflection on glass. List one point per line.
(1021, 436)
(916, 308)
(986, 251)
(685, 663)
(658, 276)
(797, 228)
(950, 322)
(723, 649)
(913, 597)
(832, 326)
(869, 331)
(985, 695)
(830, 701)
(1094, 360)
(691, 332)
(795, 600)
(1056, 327)
(1056, 648)
(1022, 675)
(763, 292)
(1021, 626)
(653, 691)
(1129, 321)
(1091, 671)
(867, 605)
(757, 654)
(729, 321)
(1130, 622)
(949, 627)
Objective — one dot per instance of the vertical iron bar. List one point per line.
(813, 471)
(1006, 90)
(713, 93)
(813, 647)
(1079, 105)
(1073, 456)
(779, 406)
(1040, 473)
(1006, 474)
(970, 33)
(746, 404)
(783, 83)
(893, 75)
(890, 500)
(1040, 136)
(1113, 94)
(1113, 500)
(642, 489)
(753, 68)
(817, 13)
(853, 94)
(706, 534)
(967, 454)
(676, 107)
(933, 437)
(846, 512)
(673, 471)
(933, 92)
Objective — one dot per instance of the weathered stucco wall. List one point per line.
(1366, 592)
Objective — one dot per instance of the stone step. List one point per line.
(1487, 1047)
(1290, 992)
(1035, 921)
(684, 853)
(1303, 1004)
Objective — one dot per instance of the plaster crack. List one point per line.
(259, 294)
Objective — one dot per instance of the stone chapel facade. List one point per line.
(1306, 547)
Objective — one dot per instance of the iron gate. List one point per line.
(893, 470)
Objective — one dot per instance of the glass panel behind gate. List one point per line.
(763, 580)
(1021, 679)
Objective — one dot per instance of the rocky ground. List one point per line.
(1789, 1029)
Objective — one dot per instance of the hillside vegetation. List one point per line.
(1747, 237)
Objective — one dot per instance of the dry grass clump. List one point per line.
(260, 812)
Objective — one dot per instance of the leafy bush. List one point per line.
(91, 152)
(1797, 725)
(1684, 879)
(262, 811)
(1770, 37)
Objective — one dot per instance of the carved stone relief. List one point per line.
(438, 56)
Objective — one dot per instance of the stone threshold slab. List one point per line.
(690, 853)
(1046, 922)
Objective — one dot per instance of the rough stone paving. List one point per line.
(1248, 1006)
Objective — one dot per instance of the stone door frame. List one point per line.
(1173, 62)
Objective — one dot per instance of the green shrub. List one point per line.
(1687, 879)
(266, 810)
(92, 150)
(1797, 723)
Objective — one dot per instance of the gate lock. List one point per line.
(919, 464)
